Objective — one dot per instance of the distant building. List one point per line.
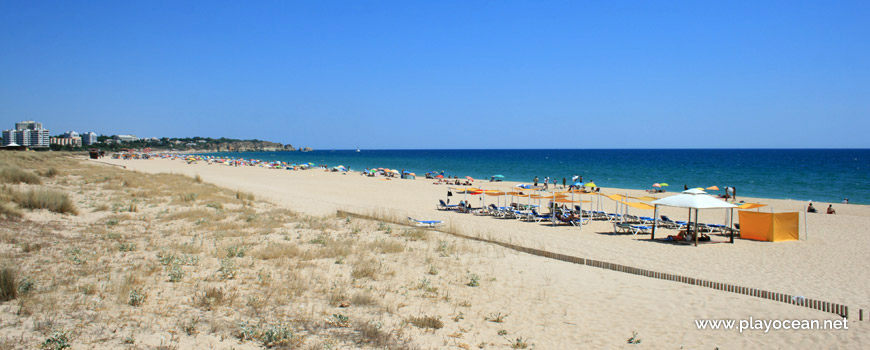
(125, 138)
(27, 133)
(89, 138)
(71, 134)
(28, 125)
(66, 141)
(9, 137)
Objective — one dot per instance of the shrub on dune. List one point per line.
(15, 176)
(52, 200)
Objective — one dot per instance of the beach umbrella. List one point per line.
(657, 185)
(439, 177)
(469, 178)
(692, 199)
(589, 184)
(499, 177)
(664, 184)
(713, 188)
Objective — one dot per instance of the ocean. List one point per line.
(821, 175)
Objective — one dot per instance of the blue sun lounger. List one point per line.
(426, 223)
(444, 206)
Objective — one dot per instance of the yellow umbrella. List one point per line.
(566, 200)
(589, 184)
(616, 197)
(637, 205)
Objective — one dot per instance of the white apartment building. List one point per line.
(27, 133)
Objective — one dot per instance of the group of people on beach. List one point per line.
(811, 209)
(546, 184)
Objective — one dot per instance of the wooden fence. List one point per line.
(820, 305)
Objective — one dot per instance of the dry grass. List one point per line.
(366, 269)
(8, 284)
(40, 198)
(16, 176)
(277, 251)
(427, 322)
(9, 212)
(211, 298)
(386, 246)
(244, 261)
(364, 299)
(50, 172)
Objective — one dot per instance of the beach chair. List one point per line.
(619, 227)
(716, 228)
(667, 222)
(425, 223)
(632, 219)
(635, 229)
(575, 222)
(538, 217)
(444, 206)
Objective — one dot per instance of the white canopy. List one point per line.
(695, 199)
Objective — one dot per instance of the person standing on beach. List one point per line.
(546, 181)
(536, 181)
(564, 182)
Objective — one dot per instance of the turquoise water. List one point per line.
(823, 175)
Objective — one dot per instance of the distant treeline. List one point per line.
(207, 144)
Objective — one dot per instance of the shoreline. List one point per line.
(482, 183)
(802, 190)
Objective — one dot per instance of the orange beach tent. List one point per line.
(769, 227)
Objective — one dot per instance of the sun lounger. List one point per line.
(667, 222)
(716, 227)
(599, 215)
(574, 222)
(619, 227)
(635, 229)
(426, 223)
(445, 206)
(538, 217)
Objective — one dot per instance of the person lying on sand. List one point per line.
(686, 236)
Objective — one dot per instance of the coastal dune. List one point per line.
(826, 264)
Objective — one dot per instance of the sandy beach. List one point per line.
(826, 264)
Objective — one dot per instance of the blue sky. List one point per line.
(446, 74)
